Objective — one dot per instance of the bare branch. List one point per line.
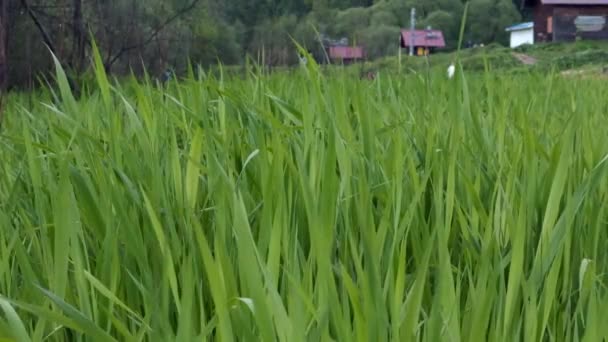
(45, 36)
(153, 34)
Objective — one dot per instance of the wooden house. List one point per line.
(424, 41)
(346, 54)
(340, 51)
(568, 20)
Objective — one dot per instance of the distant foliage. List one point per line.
(161, 34)
(380, 40)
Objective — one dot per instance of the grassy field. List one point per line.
(306, 207)
(549, 57)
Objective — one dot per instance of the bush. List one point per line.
(351, 20)
(580, 59)
(381, 40)
(379, 18)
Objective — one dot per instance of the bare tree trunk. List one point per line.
(3, 55)
(3, 45)
(79, 42)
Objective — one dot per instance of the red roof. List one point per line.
(345, 52)
(424, 38)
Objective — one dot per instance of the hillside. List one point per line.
(558, 56)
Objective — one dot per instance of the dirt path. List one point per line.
(525, 59)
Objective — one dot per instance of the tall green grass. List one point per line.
(305, 207)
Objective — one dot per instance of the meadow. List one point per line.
(306, 206)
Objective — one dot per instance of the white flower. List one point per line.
(451, 70)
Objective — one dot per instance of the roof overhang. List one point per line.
(525, 3)
(424, 38)
(520, 27)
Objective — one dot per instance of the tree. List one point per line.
(381, 40)
(350, 21)
(271, 38)
(3, 54)
(156, 34)
(79, 39)
(3, 44)
(445, 21)
(380, 18)
(145, 38)
(488, 18)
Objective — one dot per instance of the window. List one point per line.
(550, 24)
(590, 23)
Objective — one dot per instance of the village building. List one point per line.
(521, 34)
(346, 54)
(424, 42)
(340, 51)
(568, 20)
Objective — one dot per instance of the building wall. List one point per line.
(522, 37)
(564, 26)
(542, 29)
(556, 22)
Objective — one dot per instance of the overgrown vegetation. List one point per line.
(496, 58)
(302, 207)
(170, 34)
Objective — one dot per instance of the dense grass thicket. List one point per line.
(306, 207)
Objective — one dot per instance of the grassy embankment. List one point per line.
(588, 57)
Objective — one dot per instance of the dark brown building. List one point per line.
(568, 20)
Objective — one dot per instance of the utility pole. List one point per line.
(412, 32)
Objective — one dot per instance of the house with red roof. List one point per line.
(341, 51)
(424, 41)
(345, 53)
(568, 20)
